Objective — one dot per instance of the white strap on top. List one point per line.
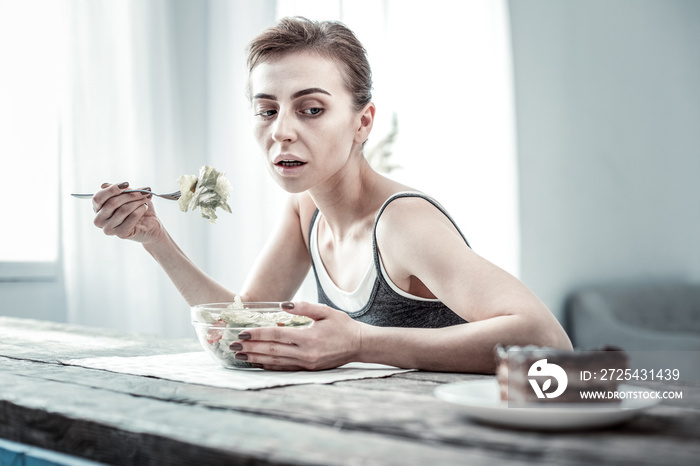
(349, 301)
(353, 301)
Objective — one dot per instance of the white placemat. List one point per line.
(199, 368)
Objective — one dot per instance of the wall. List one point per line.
(43, 300)
(608, 120)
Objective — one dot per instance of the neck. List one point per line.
(348, 196)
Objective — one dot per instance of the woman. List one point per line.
(398, 283)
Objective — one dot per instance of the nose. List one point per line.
(283, 129)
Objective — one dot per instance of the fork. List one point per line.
(171, 197)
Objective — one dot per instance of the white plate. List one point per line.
(480, 400)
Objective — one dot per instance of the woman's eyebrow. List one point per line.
(264, 96)
(311, 90)
(296, 95)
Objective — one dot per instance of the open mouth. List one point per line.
(290, 163)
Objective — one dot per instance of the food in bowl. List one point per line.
(218, 324)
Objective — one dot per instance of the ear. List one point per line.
(366, 121)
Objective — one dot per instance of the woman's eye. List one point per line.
(312, 111)
(266, 113)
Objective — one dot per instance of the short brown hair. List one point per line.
(329, 39)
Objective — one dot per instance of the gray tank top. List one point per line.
(386, 307)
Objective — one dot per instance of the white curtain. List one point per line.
(156, 89)
(120, 122)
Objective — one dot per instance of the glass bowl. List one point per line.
(218, 324)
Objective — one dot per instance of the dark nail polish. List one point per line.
(287, 305)
(244, 336)
(104, 185)
(236, 346)
(123, 185)
(241, 357)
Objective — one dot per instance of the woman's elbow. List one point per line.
(550, 333)
(543, 329)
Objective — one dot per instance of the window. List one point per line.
(29, 137)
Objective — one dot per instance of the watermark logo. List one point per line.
(552, 371)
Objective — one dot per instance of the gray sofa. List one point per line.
(639, 317)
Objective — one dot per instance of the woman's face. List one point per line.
(304, 119)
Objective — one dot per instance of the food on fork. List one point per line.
(208, 191)
(523, 371)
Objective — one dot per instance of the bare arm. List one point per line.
(280, 269)
(193, 284)
(284, 261)
(132, 216)
(417, 241)
(277, 274)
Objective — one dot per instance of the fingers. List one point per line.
(276, 347)
(107, 192)
(108, 195)
(289, 336)
(270, 367)
(126, 227)
(275, 350)
(273, 355)
(270, 354)
(276, 364)
(313, 310)
(117, 213)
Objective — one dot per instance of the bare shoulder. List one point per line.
(413, 231)
(410, 216)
